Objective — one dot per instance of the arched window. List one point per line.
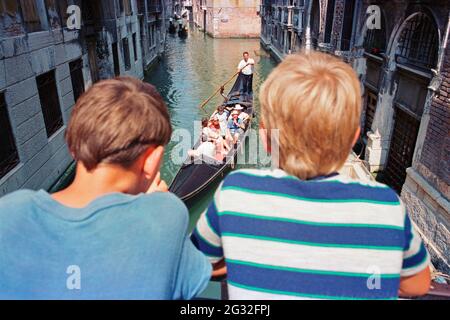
(419, 43)
(375, 41)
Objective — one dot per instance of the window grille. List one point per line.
(418, 44)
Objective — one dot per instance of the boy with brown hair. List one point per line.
(304, 231)
(105, 236)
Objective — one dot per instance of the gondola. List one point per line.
(196, 175)
(183, 31)
(172, 28)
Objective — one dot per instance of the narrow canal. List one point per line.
(193, 69)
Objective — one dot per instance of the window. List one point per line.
(418, 44)
(126, 53)
(152, 35)
(76, 74)
(329, 21)
(63, 5)
(135, 47)
(315, 24)
(9, 7)
(115, 51)
(127, 7)
(9, 157)
(121, 8)
(48, 95)
(30, 16)
(371, 106)
(347, 28)
(53, 13)
(91, 11)
(141, 6)
(375, 41)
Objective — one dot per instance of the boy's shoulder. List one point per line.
(246, 175)
(165, 204)
(339, 186)
(16, 200)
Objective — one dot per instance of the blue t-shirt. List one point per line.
(118, 247)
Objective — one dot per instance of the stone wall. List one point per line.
(24, 56)
(430, 211)
(435, 155)
(426, 190)
(229, 18)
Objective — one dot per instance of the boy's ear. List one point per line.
(152, 162)
(264, 138)
(357, 135)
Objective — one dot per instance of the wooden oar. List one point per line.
(220, 88)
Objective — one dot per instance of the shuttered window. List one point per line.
(135, 47)
(127, 7)
(9, 7)
(51, 109)
(30, 16)
(9, 157)
(63, 5)
(126, 53)
(329, 21)
(347, 28)
(76, 75)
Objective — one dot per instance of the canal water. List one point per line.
(190, 71)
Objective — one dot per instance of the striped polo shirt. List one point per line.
(327, 238)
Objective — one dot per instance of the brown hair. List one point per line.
(314, 99)
(115, 121)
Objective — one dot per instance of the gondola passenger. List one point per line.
(245, 117)
(206, 148)
(222, 146)
(236, 127)
(222, 115)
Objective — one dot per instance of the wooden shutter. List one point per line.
(30, 15)
(9, 7)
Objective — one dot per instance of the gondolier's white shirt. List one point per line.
(248, 70)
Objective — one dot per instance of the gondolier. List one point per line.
(246, 67)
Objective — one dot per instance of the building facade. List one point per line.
(47, 61)
(228, 19)
(400, 51)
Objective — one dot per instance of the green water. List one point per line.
(191, 70)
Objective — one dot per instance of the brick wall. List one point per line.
(435, 156)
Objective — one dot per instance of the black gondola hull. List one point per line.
(193, 178)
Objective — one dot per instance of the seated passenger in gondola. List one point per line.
(245, 117)
(206, 148)
(236, 127)
(222, 114)
(222, 146)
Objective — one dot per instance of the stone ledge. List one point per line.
(429, 212)
(434, 198)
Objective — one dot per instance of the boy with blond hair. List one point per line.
(105, 236)
(304, 231)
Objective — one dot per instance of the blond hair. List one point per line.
(314, 99)
(115, 121)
